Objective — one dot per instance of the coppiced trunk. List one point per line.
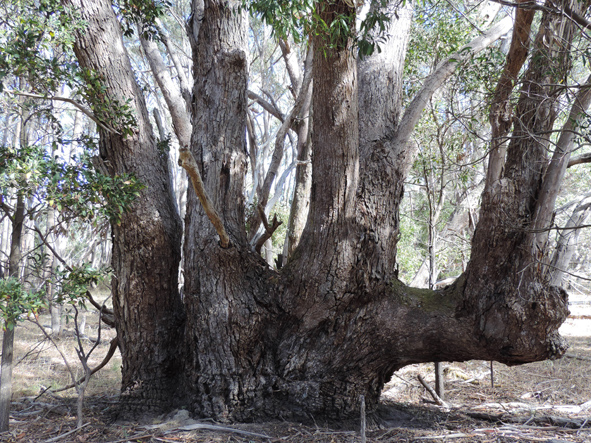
(335, 322)
(504, 283)
(146, 243)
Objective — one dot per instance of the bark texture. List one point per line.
(332, 325)
(146, 244)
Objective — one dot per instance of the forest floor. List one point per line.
(548, 401)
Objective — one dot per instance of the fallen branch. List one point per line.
(577, 357)
(444, 436)
(197, 426)
(187, 161)
(132, 438)
(269, 230)
(59, 437)
(542, 421)
(430, 390)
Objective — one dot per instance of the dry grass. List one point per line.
(526, 403)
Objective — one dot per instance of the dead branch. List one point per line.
(59, 437)
(269, 230)
(567, 11)
(577, 357)
(188, 162)
(430, 390)
(106, 360)
(543, 420)
(82, 108)
(107, 315)
(207, 427)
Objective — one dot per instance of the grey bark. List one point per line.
(14, 268)
(567, 242)
(146, 244)
(333, 324)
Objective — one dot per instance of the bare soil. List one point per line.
(548, 401)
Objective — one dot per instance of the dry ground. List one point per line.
(542, 402)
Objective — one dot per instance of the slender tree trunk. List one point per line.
(14, 268)
(567, 242)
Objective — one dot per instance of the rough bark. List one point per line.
(503, 271)
(14, 268)
(554, 174)
(146, 244)
(332, 325)
(501, 108)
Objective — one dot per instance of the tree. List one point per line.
(246, 341)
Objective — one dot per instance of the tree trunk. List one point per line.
(146, 243)
(333, 324)
(14, 269)
(567, 242)
(504, 279)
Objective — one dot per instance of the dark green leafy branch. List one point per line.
(15, 301)
(303, 18)
(74, 189)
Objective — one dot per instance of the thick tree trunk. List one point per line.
(334, 323)
(146, 243)
(505, 285)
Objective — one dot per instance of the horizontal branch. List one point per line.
(82, 108)
(567, 11)
(270, 108)
(187, 161)
(579, 159)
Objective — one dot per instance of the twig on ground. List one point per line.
(577, 357)
(207, 427)
(59, 437)
(444, 437)
(430, 390)
(132, 438)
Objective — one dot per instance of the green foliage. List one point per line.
(333, 20)
(114, 114)
(410, 251)
(163, 146)
(75, 189)
(16, 301)
(36, 44)
(438, 31)
(76, 282)
(142, 12)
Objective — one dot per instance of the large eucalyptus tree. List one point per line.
(246, 341)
